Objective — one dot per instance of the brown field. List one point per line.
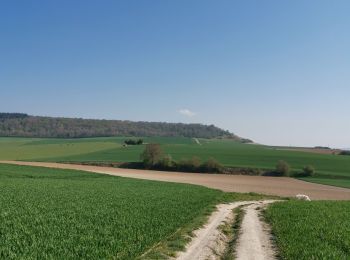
(311, 150)
(280, 186)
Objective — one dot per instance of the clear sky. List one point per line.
(277, 72)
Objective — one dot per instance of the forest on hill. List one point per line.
(23, 125)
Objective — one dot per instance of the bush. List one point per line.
(166, 163)
(152, 155)
(307, 171)
(282, 168)
(191, 165)
(344, 153)
(133, 142)
(212, 166)
(243, 171)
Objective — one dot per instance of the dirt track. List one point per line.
(209, 242)
(280, 186)
(254, 241)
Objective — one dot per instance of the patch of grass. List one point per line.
(311, 230)
(178, 240)
(50, 213)
(232, 232)
(339, 182)
(44, 149)
(54, 213)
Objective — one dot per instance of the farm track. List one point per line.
(280, 186)
(254, 241)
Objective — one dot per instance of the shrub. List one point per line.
(344, 153)
(242, 171)
(195, 162)
(282, 168)
(166, 163)
(133, 142)
(191, 165)
(152, 155)
(307, 171)
(212, 166)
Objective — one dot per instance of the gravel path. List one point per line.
(209, 242)
(280, 186)
(197, 141)
(254, 242)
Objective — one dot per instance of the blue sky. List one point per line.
(277, 72)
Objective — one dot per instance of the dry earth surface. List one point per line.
(280, 186)
(312, 150)
(254, 238)
(209, 242)
(254, 242)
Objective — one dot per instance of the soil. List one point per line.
(254, 238)
(209, 242)
(280, 186)
(254, 242)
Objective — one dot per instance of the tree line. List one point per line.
(154, 158)
(22, 125)
(133, 142)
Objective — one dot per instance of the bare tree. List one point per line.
(152, 154)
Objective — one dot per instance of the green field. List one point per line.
(339, 182)
(331, 169)
(311, 230)
(64, 214)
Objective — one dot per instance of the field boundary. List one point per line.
(281, 186)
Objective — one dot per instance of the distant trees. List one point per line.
(308, 170)
(154, 158)
(33, 126)
(282, 168)
(152, 155)
(133, 142)
(322, 147)
(12, 115)
(344, 152)
(166, 163)
(190, 165)
(212, 165)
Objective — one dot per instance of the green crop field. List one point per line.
(334, 181)
(311, 230)
(331, 169)
(50, 213)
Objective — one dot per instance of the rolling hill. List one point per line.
(23, 125)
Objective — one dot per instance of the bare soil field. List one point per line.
(311, 150)
(280, 186)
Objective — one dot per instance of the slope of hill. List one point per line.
(23, 125)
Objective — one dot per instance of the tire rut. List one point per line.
(210, 243)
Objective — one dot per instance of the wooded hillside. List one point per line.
(23, 125)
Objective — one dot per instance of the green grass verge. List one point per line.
(232, 231)
(311, 230)
(65, 214)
